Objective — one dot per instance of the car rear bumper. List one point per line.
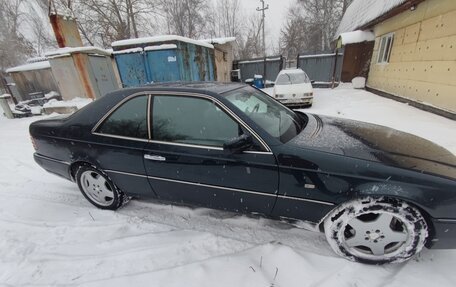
(55, 166)
(297, 101)
(444, 234)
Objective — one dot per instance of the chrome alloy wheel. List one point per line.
(97, 188)
(376, 230)
(375, 234)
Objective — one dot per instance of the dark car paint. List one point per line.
(329, 162)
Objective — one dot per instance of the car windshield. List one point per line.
(277, 120)
(292, 78)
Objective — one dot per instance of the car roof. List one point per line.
(214, 87)
(291, 71)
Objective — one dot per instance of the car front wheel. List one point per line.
(376, 231)
(98, 189)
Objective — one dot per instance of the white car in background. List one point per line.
(293, 88)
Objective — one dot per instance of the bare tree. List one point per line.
(325, 16)
(226, 19)
(186, 17)
(311, 25)
(250, 44)
(103, 21)
(14, 47)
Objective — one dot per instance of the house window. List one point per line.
(386, 43)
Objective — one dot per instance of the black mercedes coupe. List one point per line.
(378, 194)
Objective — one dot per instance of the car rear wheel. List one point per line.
(98, 189)
(376, 231)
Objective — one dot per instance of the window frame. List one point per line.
(95, 129)
(179, 143)
(264, 146)
(383, 49)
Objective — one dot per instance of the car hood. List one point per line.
(293, 89)
(375, 143)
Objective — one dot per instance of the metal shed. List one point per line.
(31, 78)
(83, 72)
(224, 56)
(163, 59)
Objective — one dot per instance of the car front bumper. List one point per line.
(306, 101)
(443, 235)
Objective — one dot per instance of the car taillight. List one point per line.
(33, 143)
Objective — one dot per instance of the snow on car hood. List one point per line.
(293, 89)
(375, 143)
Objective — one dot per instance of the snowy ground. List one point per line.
(50, 235)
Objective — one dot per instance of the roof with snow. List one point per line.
(357, 36)
(363, 13)
(158, 39)
(30, 67)
(219, 41)
(70, 50)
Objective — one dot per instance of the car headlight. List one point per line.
(308, 94)
(279, 95)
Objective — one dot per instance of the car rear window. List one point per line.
(128, 120)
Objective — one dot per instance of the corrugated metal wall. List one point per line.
(320, 67)
(34, 81)
(187, 62)
(250, 68)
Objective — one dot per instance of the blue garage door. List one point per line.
(131, 69)
(162, 65)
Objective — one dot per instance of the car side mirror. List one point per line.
(238, 144)
(312, 81)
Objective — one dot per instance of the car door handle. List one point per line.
(154, 157)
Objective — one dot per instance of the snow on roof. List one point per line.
(36, 59)
(219, 41)
(361, 12)
(156, 39)
(30, 67)
(357, 36)
(69, 50)
(128, 51)
(259, 60)
(160, 47)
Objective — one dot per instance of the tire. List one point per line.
(376, 231)
(99, 189)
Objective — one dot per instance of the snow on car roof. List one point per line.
(361, 12)
(291, 71)
(156, 39)
(30, 67)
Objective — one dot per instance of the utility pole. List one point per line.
(262, 9)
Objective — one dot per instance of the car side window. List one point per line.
(191, 120)
(128, 120)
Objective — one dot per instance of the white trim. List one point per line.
(385, 37)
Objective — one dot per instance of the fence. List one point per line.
(252, 67)
(322, 67)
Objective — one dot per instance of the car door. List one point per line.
(185, 160)
(118, 146)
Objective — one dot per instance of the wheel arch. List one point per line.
(76, 164)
